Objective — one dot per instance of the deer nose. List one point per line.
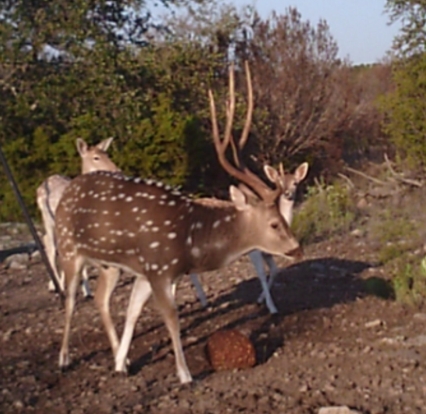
(295, 254)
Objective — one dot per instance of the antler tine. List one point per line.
(222, 145)
(235, 154)
(249, 116)
(247, 124)
(216, 139)
(230, 107)
(245, 175)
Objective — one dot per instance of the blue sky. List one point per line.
(360, 27)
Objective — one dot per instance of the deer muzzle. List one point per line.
(295, 254)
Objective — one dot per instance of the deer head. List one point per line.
(288, 184)
(95, 158)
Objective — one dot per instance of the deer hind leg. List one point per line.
(140, 294)
(256, 258)
(85, 287)
(166, 304)
(273, 271)
(199, 289)
(107, 281)
(72, 270)
(49, 246)
(273, 268)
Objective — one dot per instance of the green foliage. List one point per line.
(99, 82)
(409, 282)
(399, 239)
(396, 235)
(412, 15)
(166, 145)
(328, 209)
(405, 108)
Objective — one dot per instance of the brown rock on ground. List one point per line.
(230, 349)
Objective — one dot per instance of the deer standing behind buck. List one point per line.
(158, 234)
(49, 193)
(288, 183)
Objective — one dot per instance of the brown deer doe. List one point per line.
(158, 234)
(49, 193)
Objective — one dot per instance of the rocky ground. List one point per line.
(331, 344)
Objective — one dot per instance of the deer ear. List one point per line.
(301, 172)
(105, 144)
(271, 173)
(81, 146)
(242, 196)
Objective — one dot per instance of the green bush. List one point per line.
(404, 110)
(396, 235)
(409, 281)
(328, 209)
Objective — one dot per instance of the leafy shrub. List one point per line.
(396, 236)
(404, 110)
(328, 209)
(409, 281)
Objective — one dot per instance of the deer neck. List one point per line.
(286, 209)
(217, 235)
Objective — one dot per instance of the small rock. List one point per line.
(373, 324)
(420, 317)
(362, 203)
(35, 255)
(14, 265)
(357, 233)
(337, 410)
(17, 261)
(191, 339)
(18, 404)
(8, 334)
(419, 340)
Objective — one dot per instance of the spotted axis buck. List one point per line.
(158, 234)
(49, 193)
(288, 183)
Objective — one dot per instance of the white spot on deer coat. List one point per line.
(195, 251)
(172, 235)
(154, 245)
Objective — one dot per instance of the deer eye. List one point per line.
(96, 158)
(275, 225)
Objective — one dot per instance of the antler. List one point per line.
(242, 174)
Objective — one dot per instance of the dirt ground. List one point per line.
(330, 344)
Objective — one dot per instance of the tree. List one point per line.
(87, 68)
(412, 16)
(405, 107)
